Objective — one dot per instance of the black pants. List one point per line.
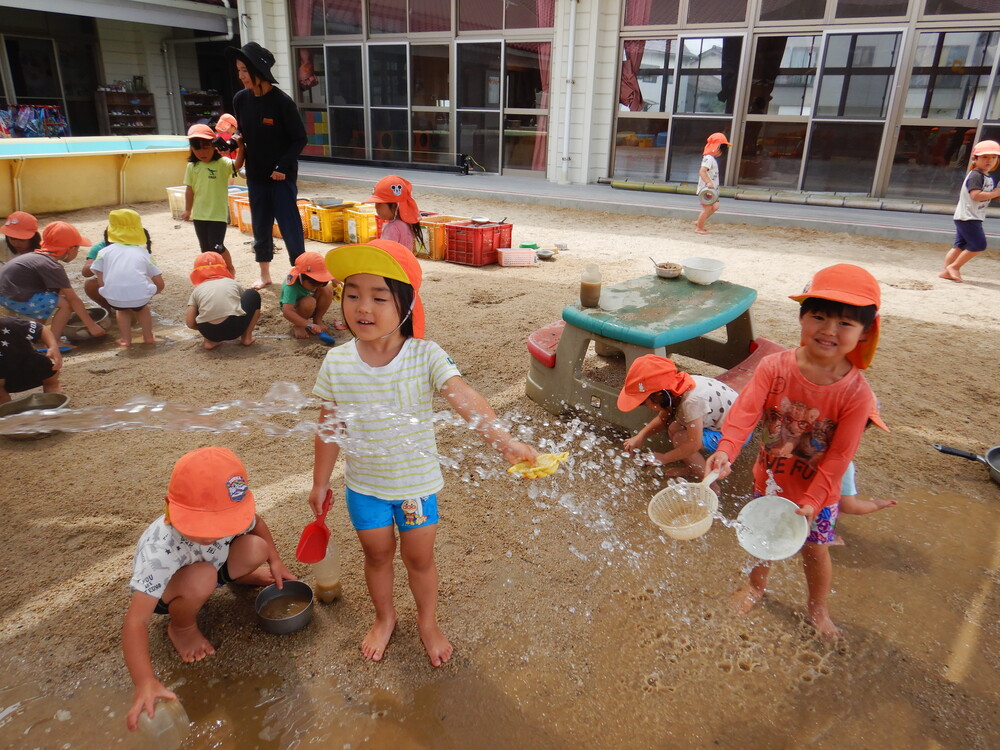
(234, 326)
(211, 235)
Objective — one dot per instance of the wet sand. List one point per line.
(576, 623)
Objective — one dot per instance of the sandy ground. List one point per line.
(576, 623)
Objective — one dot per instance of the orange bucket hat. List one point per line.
(20, 225)
(383, 258)
(849, 285)
(208, 266)
(312, 265)
(395, 189)
(650, 374)
(208, 495)
(58, 237)
(714, 141)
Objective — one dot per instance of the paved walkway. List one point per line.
(917, 227)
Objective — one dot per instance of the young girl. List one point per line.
(378, 391)
(306, 295)
(219, 308)
(206, 201)
(708, 176)
(126, 275)
(690, 407)
(20, 235)
(36, 286)
(820, 383)
(393, 199)
(976, 194)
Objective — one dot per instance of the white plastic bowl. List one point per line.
(769, 528)
(702, 270)
(683, 510)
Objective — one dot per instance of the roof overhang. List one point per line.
(175, 13)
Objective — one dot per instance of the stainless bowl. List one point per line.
(285, 624)
(76, 330)
(34, 402)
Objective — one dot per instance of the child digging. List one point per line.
(819, 382)
(306, 295)
(208, 536)
(219, 308)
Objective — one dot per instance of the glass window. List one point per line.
(930, 163)
(525, 141)
(687, 142)
(479, 84)
(950, 73)
(33, 71)
(842, 157)
(345, 82)
(993, 113)
(772, 154)
(479, 15)
(647, 78)
(792, 10)
(387, 16)
(857, 75)
(640, 148)
(311, 75)
(431, 144)
(533, 14)
(390, 135)
(651, 12)
(431, 75)
(430, 15)
(708, 75)
(343, 17)
(784, 73)
(479, 136)
(947, 7)
(527, 75)
(387, 75)
(347, 133)
(306, 17)
(871, 8)
(717, 11)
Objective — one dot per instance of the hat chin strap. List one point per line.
(408, 314)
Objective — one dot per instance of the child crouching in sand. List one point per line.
(219, 308)
(820, 379)
(208, 536)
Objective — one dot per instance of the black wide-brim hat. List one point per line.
(258, 58)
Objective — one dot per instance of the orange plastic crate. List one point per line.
(242, 210)
(233, 213)
(435, 236)
(476, 244)
(302, 203)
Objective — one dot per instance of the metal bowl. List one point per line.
(543, 254)
(34, 402)
(281, 626)
(76, 330)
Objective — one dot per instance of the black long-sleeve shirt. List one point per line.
(272, 131)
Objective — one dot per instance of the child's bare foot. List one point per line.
(189, 642)
(820, 620)
(125, 344)
(438, 647)
(247, 339)
(260, 577)
(700, 230)
(746, 597)
(300, 332)
(951, 274)
(374, 643)
(212, 344)
(151, 340)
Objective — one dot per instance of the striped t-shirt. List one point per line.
(389, 447)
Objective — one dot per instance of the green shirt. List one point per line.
(92, 254)
(210, 182)
(292, 293)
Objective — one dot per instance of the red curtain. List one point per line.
(636, 14)
(540, 155)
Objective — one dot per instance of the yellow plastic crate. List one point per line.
(303, 204)
(360, 225)
(175, 199)
(326, 223)
(435, 236)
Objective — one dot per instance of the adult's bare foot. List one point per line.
(191, 645)
(746, 597)
(374, 643)
(260, 284)
(439, 648)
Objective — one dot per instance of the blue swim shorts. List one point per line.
(370, 512)
(710, 440)
(969, 235)
(38, 306)
(848, 485)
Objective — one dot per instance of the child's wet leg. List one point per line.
(699, 224)
(949, 258)
(50, 385)
(306, 307)
(145, 316)
(417, 550)
(952, 269)
(746, 597)
(124, 320)
(186, 593)
(228, 258)
(248, 338)
(379, 546)
(819, 578)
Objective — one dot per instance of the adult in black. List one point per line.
(273, 136)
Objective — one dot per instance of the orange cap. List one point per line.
(226, 121)
(310, 264)
(383, 258)
(201, 131)
(208, 266)
(714, 141)
(20, 225)
(58, 237)
(850, 285)
(986, 148)
(395, 189)
(650, 374)
(208, 495)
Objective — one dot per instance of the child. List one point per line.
(708, 176)
(92, 286)
(976, 194)
(126, 275)
(20, 235)
(35, 285)
(690, 407)
(393, 199)
(378, 391)
(818, 384)
(206, 201)
(225, 129)
(219, 308)
(208, 535)
(306, 295)
(21, 367)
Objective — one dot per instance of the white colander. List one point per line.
(684, 509)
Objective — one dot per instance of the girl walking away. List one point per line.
(206, 201)
(393, 199)
(378, 391)
(816, 388)
(708, 176)
(976, 193)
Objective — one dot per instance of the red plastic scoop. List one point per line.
(312, 543)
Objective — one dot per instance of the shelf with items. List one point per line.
(199, 106)
(126, 112)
